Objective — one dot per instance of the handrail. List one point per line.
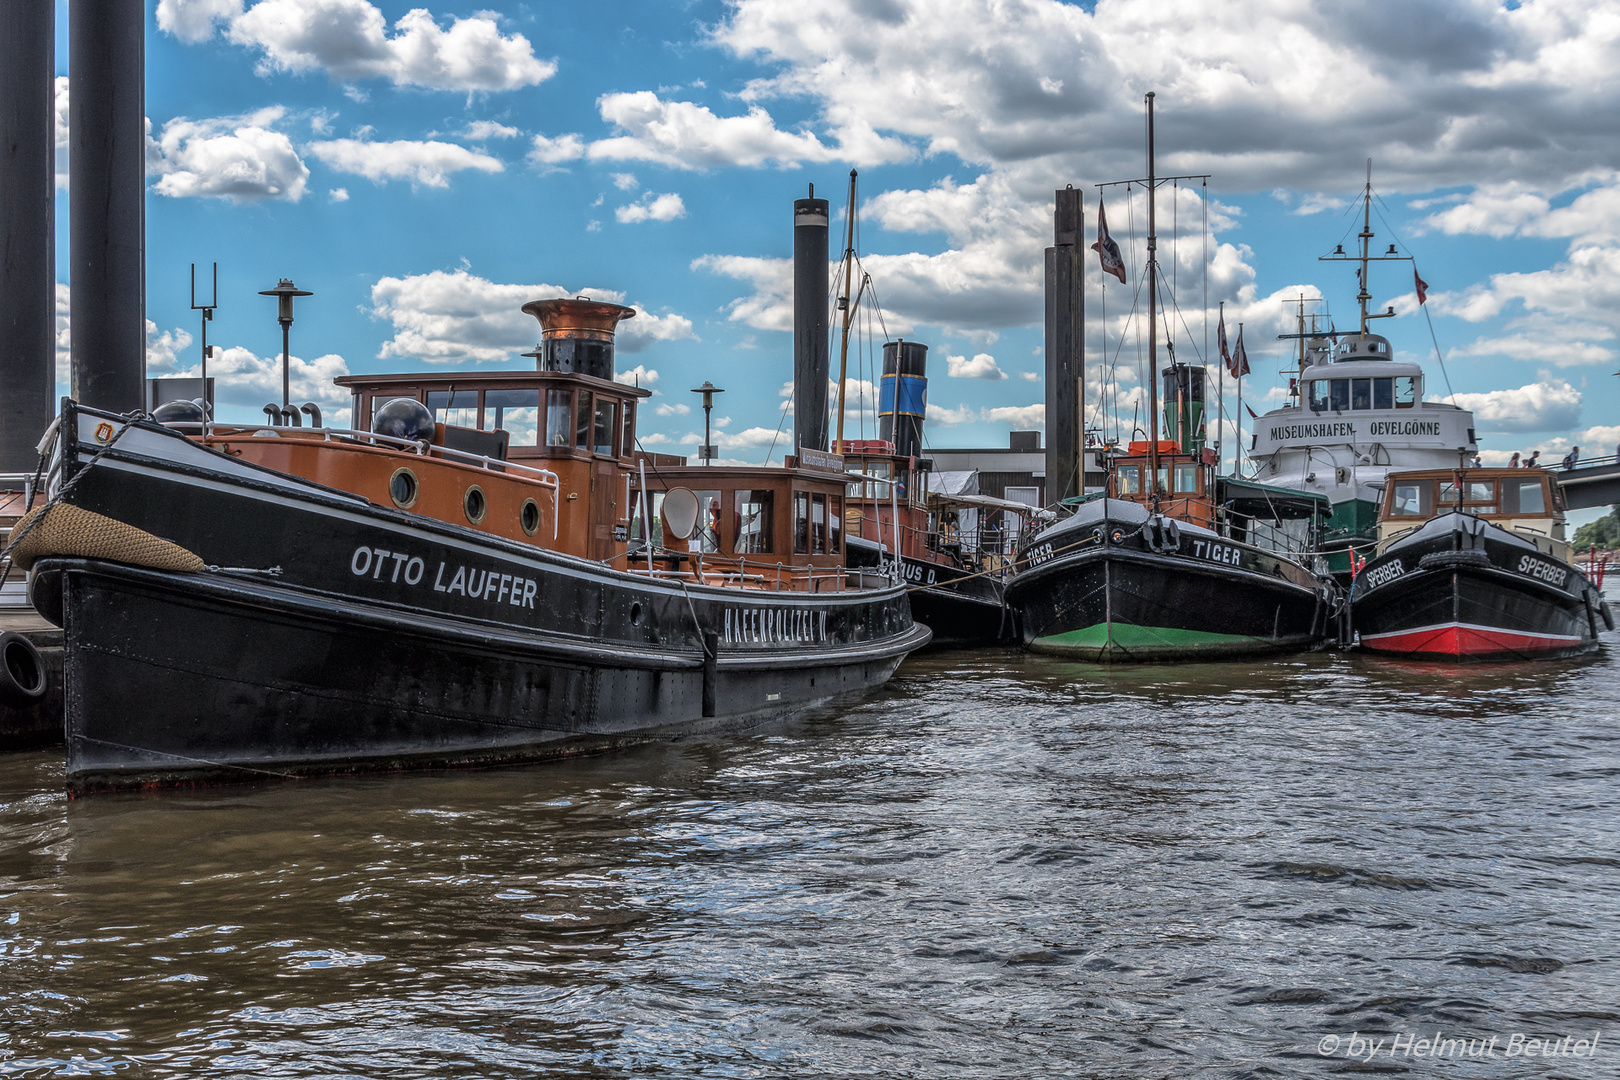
(489, 464)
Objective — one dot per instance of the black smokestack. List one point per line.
(27, 229)
(903, 399)
(1065, 349)
(810, 322)
(107, 160)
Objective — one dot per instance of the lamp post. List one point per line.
(284, 292)
(708, 390)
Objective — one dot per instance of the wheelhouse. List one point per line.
(1528, 501)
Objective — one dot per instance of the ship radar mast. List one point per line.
(1364, 295)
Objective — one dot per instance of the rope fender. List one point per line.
(62, 529)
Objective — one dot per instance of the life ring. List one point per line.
(22, 672)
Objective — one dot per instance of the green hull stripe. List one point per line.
(1127, 636)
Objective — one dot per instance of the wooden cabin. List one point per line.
(1526, 501)
(1186, 482)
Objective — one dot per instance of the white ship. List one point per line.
(1356, 415)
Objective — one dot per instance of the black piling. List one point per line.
(1065, 349)
(27, 229)
(810, 323)
(106, 147)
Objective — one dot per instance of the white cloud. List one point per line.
(483, 130)
(549, 153)
(625, 181)
(1552, 344)
(61, 125)
(639, 375)
(1030, 376)
(454, 316)
(427, 163)
(349, 40)
(1019, 417)
(940, 416)
(64, 335)
(239, 158)
(685, 135)
(672, 409)
(163, 349)
(1546, 405)
(245, 379)
(338, 194)
(770, 305)
(982, 366)
(652, 207)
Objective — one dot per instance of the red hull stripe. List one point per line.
(1466, 639)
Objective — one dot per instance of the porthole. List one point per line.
(635, 614)
(474, 504)
(529, 517)
(403, 488)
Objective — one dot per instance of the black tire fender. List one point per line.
(22, 672)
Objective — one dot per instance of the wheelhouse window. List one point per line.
(835, 525)
(1128, 480)
(582, 422)
(1319, 394)
(1383, 393)
(1412, 499)
(753, 522)
(607, 423)
(1187, 479)
(1523, 497)
(801, 523)
(516, 412)
(707, 537)
(559, 416)
(1406, 391)
(818, 524)
(1361, 394)
(1339, 395)
(627, 441)
(458, 408)
(1473, 496)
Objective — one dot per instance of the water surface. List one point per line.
(1000, 865)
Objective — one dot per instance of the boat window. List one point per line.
(818, 524)
(706, 537)
(627, 442)
(607, 423)
(1476, 496)
(458, 408)
(1523, 497)
(1186, 479)
(582, 421)
(835, 525)
(801, 523)
(1340, 399)
(559, 416)
(1405, 391)
(655, 503)
(1412, 500)
(1383, 393)
(1361, 393)
(1319, 395)
(1128, 480)
(517, 412)
(753, 522)
(1164, 479)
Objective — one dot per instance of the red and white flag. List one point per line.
(1220, 340)
(1108, 251)
(1239, 364)
(1422, 287)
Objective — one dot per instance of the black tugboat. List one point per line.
(1471, 565)
(450, 584)
(1171, 562)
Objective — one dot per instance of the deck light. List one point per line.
(284, 292)
(708, 390)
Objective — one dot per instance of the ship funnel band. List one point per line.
(577, 335)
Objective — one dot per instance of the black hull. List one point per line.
(1079, 593)
(356, 637)
(1462, 589)
(961, 607)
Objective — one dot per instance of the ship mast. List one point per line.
(847, 308)
(1366, 238)
(1153, 318)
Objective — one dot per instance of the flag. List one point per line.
(1108, 251)
(1220, 340)
(1422, 287)
(1356, 563)
(1252, 414)
(1239, 364)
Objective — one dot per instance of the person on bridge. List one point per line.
(1513, 463)
(1534, 460)
(1572, 458)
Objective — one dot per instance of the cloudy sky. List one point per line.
(427, 170)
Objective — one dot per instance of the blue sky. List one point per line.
(425, 171)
